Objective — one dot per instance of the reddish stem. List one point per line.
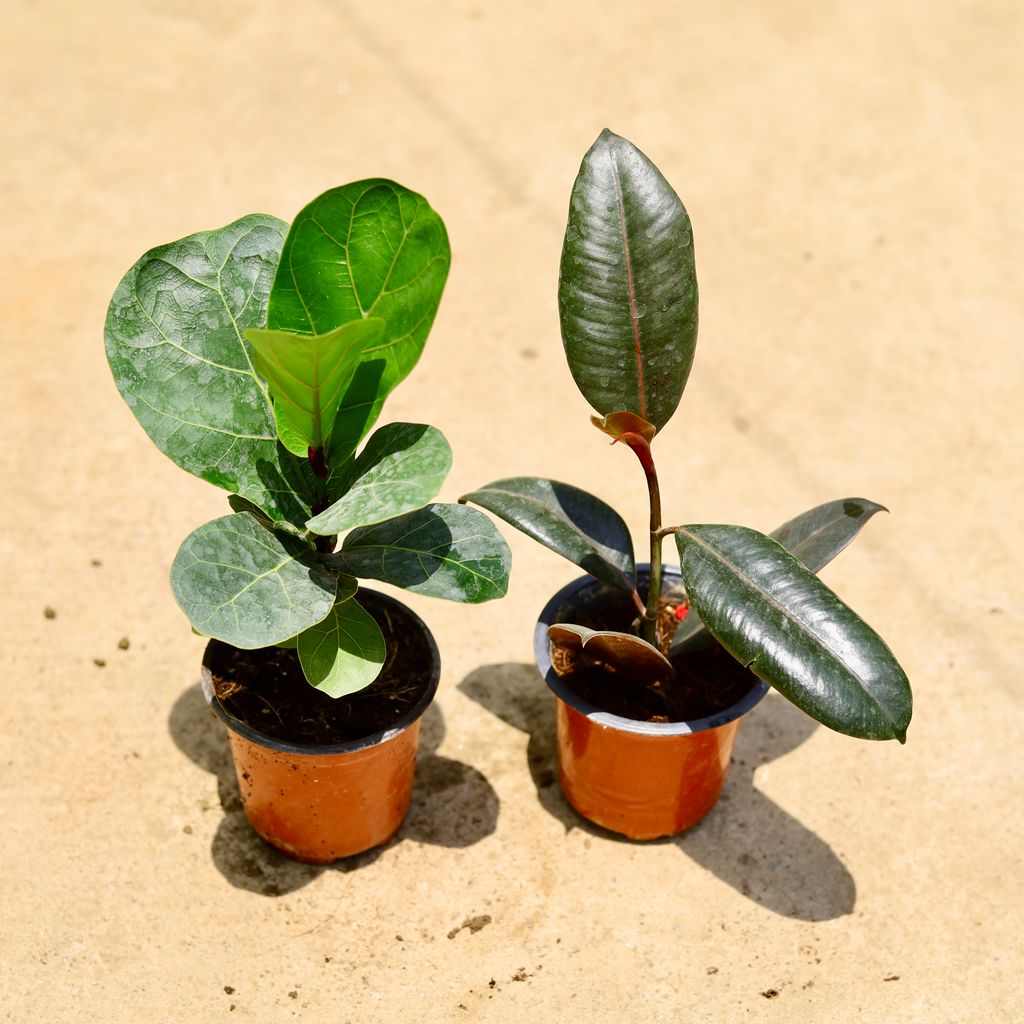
(641, 447)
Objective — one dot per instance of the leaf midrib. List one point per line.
(630, 286)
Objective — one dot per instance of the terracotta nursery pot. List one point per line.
(643, 780)
(319, 803)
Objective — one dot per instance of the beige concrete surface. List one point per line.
(854, 176)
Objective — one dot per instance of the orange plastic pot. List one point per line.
(319, 803)
(643, 780)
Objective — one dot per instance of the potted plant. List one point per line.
(651, 666)
(258, 357)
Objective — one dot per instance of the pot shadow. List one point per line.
(748, 841)
(452, 805)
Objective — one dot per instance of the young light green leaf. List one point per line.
(250, 586)
(401, 468)
(814, 537)
(569, 521)
(308, 374)
(444, 551)
(368, 249)
(636, 662)
(175, 346)
(775, 616)
(627, 285)
(344, 652)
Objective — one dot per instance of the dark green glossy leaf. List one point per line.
(568, 520)
(401, 468)
(343, 653)
(368, 249)
(775, 616)
(175, 346)
(627, 285)
(308, 374)
(444, 551)
(815, 537)
(818, 535)
(636, 661)
(249, 586)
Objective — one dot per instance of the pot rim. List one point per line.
(542, 653)
(351, 746)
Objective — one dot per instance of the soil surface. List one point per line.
(706, 680)
(267, 690)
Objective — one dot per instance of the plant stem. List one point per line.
(649, 631)
(318, 462)
(642, 449)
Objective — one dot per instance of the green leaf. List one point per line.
(174, 341)
(345, 652)
(636, 661)
(444, 551)
(401, 468)
(818, 535)
(627, 286)
(814, 537)
(308, 374)
(568, 520)
(775, 616)
(249, 586)
(368, 249)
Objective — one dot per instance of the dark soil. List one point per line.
(706, 680)
(267, 690)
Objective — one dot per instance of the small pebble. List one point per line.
(49, 613)
(124, 643)
(99, 662)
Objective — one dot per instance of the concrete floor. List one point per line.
(854, 174)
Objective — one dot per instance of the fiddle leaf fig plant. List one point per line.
(628, 304)
(258, 357)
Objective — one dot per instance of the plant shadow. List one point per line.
(453, 804)
(747, 841)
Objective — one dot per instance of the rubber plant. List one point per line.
(628, 304)
(258, 357)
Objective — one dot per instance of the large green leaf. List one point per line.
(175, 345)
(775, 616)
(368, 249)
(815, 537)
(343, 653)
(627, 286)
(307, 374)
(252, 587)
(445, 551)
(568, 520)
(401, 468)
